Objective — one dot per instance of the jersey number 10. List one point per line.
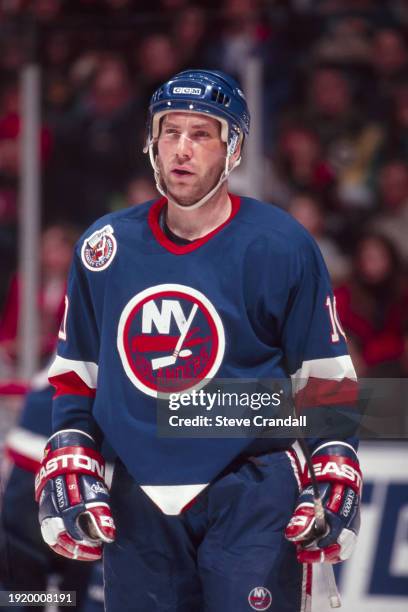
(336, 327)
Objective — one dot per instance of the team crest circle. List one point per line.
(170, 340)
(99, 249)
(260, 598)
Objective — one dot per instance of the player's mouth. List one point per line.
(181, 172)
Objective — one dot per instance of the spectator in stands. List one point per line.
(13, 53)
(171, 5)
(348, 138)
(394, 138)
(243, 31)
(346, 41)
(121, 12)
(392, 220)
(99, 147)
(308, 210)
(56, 55)
(56, 252)
(298, 165)
(189, 34)
(330, 105)
(11, 9)
(140, 189)
(45, 11)
(121, 7)
(401, 119)
(82, 71)
(156, 59)
(373, 305)
(389, 68)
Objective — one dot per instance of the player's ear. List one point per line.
(237, 153)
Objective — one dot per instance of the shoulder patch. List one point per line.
(99, 250)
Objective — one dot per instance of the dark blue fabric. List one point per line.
(270, 294)
(210, 557)
(37, 411)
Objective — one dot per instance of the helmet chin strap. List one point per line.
(223, 177)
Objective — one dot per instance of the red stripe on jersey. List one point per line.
(323, 392)
(74, 494)
(144, 342)
(70, 383)
(22, 461)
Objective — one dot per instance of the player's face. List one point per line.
(191, 155)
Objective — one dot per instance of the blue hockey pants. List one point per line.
(226, 553)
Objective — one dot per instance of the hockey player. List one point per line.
(166, 296)
(26, 563)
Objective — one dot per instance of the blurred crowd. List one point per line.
(335, 135)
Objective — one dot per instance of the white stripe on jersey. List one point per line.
(171, 499)
(306, 603)
(294, 468)
(26, 443)
(328, 368)
(86, 370)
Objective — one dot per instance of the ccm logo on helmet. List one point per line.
(343, 471)
(195, 91)
(70, 462)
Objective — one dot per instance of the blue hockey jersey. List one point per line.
(252, 299)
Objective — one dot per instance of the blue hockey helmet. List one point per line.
(210, 92)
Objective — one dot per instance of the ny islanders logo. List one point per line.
(99, 249)
(260, 598)
(170, 339)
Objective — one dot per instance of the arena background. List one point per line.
(327, 83)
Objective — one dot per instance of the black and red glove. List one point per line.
(339, 479)
(74, 511)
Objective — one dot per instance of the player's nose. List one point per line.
(184, 147)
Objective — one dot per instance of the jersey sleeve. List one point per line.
(74, 372)
(324, 382)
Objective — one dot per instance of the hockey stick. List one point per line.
(162, 362)
(320, 522)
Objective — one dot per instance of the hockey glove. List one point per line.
(74, 511)
(338, 474)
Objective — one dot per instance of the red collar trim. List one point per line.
(181, 249)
